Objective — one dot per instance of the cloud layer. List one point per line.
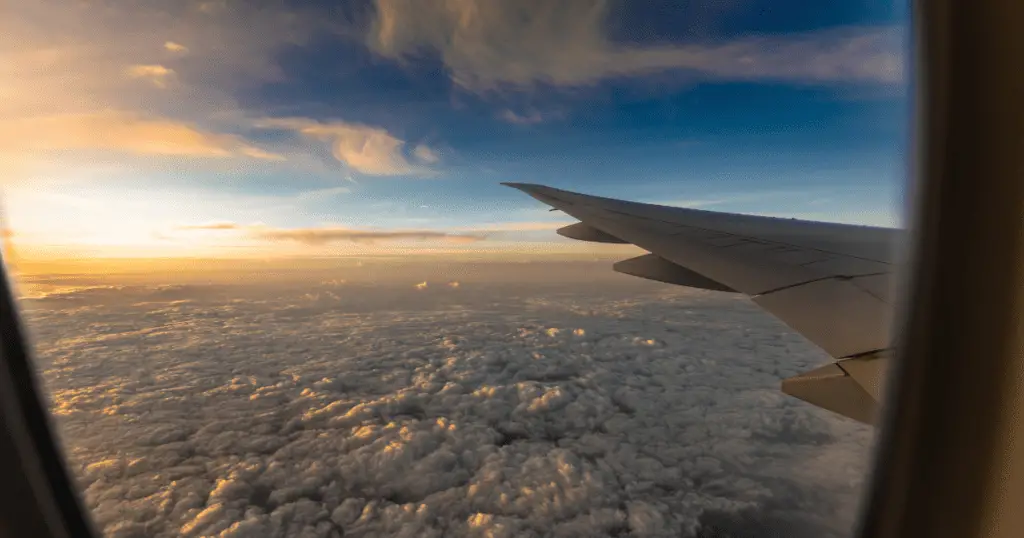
(367, 407)
(333, 234)
(492, 45)
(319, 236)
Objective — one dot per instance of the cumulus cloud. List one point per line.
(357, 408)
(369, 150)
(122, 131)
(488, 45)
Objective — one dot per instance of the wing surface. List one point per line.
(829, 282)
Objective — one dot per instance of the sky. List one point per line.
(222, 128)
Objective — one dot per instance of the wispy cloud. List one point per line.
(533, 226)
(156, 74)
(319, 236)
(334, 234)
(172, 46)
(321, 194)
(490, 45)
(426, 155)
(74, 57)
(366, 149)
(338, 234)
(75, 80)
(122, 131)
(529, 117)
(211, 226)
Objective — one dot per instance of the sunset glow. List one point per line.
(389, 129)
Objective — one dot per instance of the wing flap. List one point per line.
(654, 267)
(830, 387)
(584, 232)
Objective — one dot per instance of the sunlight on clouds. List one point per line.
(72, 68)
(368, 150)
(121, 131)
(319, 236)
(156, 74)
(171, 46)
(488, 45)
(332, 234)
(426, 155)
(83, 99)
(210, 226)
(520, 226)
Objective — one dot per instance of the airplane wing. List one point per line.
(829, 282)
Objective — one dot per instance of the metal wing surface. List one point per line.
(829, 282)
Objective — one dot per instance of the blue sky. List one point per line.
(218, 123)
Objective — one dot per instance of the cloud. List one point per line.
(530, 117)
(75, 62)
(320, 236)
(426, 155)
(49, 46)
(490, 45)
(519, 226)
(227, 410)
(122, 131)
(369, 150)
(211, 226)
(320, 194)
(212, 6)
(171, 46)
(156, 74)
(332, 234)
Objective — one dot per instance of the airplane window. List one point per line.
(458, 268)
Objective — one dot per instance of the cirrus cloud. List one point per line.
(493, 45)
